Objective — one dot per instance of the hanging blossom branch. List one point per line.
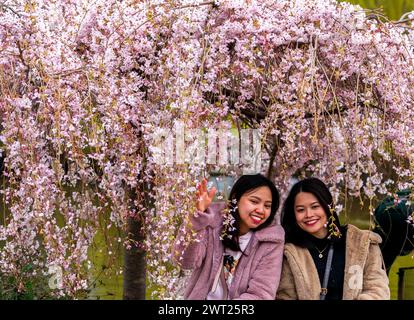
(6, 7)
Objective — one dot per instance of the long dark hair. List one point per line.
(245, 184)
(293, 233)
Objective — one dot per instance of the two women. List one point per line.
(240, 257)
(237, 253)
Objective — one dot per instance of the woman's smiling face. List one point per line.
(254, 208)
(310, 215)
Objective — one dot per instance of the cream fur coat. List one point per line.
(365, 276)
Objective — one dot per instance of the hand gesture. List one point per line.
(204, 197)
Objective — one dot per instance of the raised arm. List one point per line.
(191, 255)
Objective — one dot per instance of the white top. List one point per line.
(226, 273)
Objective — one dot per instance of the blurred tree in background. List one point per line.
(393, 9)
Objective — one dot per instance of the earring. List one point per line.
(325, 225)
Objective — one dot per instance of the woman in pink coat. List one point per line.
(237, 250)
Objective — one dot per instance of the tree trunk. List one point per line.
(134, 263)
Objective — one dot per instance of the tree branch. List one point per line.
(3, 6)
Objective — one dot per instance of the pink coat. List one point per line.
(258, 273)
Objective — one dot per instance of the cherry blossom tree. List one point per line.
(85, 87)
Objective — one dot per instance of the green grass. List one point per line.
(105, 283)
(401, 262)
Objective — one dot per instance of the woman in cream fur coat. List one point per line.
(312, 229)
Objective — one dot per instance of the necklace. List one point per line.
(321, 251)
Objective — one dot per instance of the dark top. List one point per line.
(391, 217)
(319, 247)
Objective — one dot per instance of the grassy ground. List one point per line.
(402, 262)
(106, 280)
